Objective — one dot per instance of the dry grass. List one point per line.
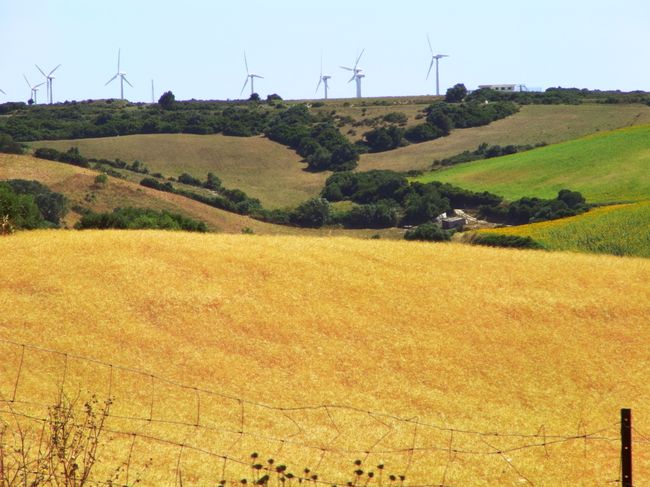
(459, 336)
(532, 125)
(261, 168)
(77, 184)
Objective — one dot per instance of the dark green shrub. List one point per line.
(190, 180)
(498, 240)
(9, 146)
(312, 213)
(139, 218)
(428, 232)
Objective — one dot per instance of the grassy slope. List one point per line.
(606, 167)
(463, 337)
(616, 229)
(532, 125)
(78, 186)
(261, 168)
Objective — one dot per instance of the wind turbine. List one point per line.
(121, 75)
(436, 58)
(323, 78)
(250, 76)
(34, 89)
(357, 74)
(48, 80)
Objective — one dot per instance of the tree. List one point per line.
(456, 93)
(312, 213)
(167, 100)
(254, 97)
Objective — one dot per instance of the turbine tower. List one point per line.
(323, 79)
(435, 58)
(357, 74)
(48, 80)
(250, 76)
(34, 89)
(121, 75)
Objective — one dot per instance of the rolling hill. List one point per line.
(445, 363)
(532, 125)
(606, 168)
(257, 166)
(275, 175)
(78, 185)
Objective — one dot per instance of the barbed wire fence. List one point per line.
(331, 444)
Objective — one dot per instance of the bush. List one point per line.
(52, 206)
(428, 232)
(498, 240)
(190, 180)
(379, 215)
(21, 210)
(313, 213)
(140, 218)
(9, 146)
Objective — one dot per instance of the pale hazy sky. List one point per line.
(195, 47)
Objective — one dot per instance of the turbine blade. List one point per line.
(111, 79)
(27, 81)
(2, 91)
(429, 41)
(353, 76)
(42, 72)
(244, 87)
(246, 63)
(359, 58)
(430, 66)
(257, 76)
(127, 81)
(54, 70)
(40, 84)
(349, 69)
(320, 80)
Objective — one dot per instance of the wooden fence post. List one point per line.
(626, 447)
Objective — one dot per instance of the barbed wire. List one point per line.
(495, 451)
(241, 402)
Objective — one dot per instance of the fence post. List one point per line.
(626, 447)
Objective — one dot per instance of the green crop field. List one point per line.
(257, 166)
(606, 168)
(616, 229)
(532, 125)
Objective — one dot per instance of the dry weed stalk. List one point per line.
(62, 453)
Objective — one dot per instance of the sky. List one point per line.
(195, 48)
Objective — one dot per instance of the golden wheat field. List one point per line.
(447, 364)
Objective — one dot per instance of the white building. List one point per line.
(499, 87)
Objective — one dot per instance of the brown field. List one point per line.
(261, 168)
(459, 339)
(532, 125)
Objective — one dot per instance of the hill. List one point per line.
(615, 229)
(497, 361)
(532, 125)
(606, 167)
(78, 185)
(276, 176)
(257, 166)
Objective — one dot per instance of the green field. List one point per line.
(532, 125)
(616, 229)
(606, 168)
(257, 166)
